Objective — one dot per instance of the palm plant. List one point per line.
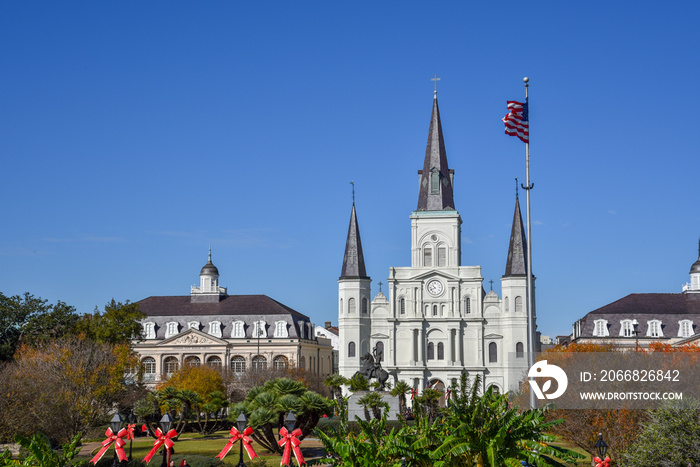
(373, 401)
(401, 389)
(358, 383)
(335, 382)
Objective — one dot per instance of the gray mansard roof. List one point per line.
(231, 308)
(669, 308)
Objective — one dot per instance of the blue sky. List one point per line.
(136, 134)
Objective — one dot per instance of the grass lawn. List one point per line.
(205, 445)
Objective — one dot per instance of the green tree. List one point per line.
(335, 382)
(40, 453)
(358, 383)
(31, 320)
(401, 389)
(373, 402)
(671, 437)
(119, 324)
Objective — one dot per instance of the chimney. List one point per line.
(328, 325)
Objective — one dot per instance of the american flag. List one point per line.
(516, 121)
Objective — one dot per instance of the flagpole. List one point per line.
(530, 295)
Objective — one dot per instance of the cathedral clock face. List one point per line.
(435, 287)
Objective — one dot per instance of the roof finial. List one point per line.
(210, 253)
(436, 79)
(353, 191)
(516, 187)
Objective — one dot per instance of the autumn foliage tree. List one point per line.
(61, 387)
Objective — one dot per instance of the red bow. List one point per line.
(144, 428)
(290, 442)
(119, 444)
(160, 440)
(130, 432)
(602, 463)
(448, 393)
(414, 393)
(235, 436)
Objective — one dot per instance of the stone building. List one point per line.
(232, 332)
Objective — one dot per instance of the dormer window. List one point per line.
(600, 328)
(237, 330)
(301, 330)
(171, 329)
(259, 329)
(654, 328)
(215, 328)
(193, 325)
(149, 329)
(281, 329)
(685, 328)
(626, 328)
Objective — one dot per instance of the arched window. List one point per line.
(214, 361)
(600, 328)
(431, 351)
(237, 329)
(351, 349)
(170, 365)
(341, 305)
(519, 350)
(302, 362)
(402, 306)
(192, 360)
(149, 330)
(215, 328)
(654, 328)
(149, 368)
(434, 181)
(626, 328)
(435, 310)
(281, 329)
(259, 362)
(518, 304)
(441, 351)
(442, 256)
(171, 329)
(280, 362)
(685, 328)
(505, 304)
(493, 352)
(427, 256)
(380, 351)
(467, 305)
(238, 364)
(351, 305)
(364, 305)
(193, 325)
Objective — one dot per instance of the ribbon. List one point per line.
(130, 432)
(290, 442)
(235, 436)
(161, 439)
(602, 463)
(119, 444)
(144, 428)
(448, 393)
(414, 393)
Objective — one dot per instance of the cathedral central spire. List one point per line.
(517, 260)
(354, 260)
(435, 193)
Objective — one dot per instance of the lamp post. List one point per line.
(165, 423)
(131, 420)
(601, 446)
(241, 423)
(289, 421)
(635, 324)
(116, 425)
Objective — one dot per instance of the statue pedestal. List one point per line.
(356, 409)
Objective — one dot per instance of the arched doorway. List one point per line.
(440, 386)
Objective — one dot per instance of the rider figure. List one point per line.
(377, 353)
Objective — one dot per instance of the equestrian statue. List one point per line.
(371, 367)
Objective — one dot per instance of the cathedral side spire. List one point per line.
(517, 259)
(354, 260)
(435, 193)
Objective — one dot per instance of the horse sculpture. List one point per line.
(371, 369)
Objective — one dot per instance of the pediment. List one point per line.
(379, 335)
(493, 336)
(435, 273)
(193, 337)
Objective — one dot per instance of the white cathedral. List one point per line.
(438, 322)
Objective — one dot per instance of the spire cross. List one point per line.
(491, 282)
(353, 191)
(380, 287)
(436, 79)
(516, 187)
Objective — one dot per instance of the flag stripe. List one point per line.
(516, 120)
